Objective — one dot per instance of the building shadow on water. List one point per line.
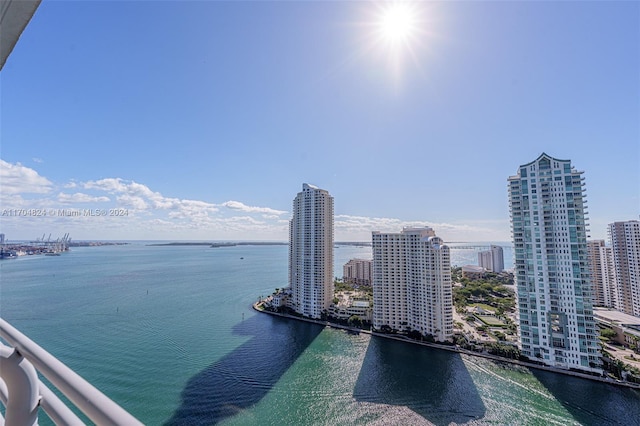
(243, 377)
(433, 383)
(591, 402)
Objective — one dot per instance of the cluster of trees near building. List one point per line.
(340, 285)
(489, 289)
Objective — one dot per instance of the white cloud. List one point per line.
(37, 160)
(363, 223)
(79, 197)
(140, 197)
(14, 201)
(132, 202)
(237, 205)
(359, 228)
(152, 215)
(18, 179)
(109, 185)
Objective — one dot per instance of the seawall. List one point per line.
(256, 306)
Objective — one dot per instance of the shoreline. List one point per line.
(218, 244)
(451, 349)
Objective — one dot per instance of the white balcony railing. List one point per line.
(22, 393)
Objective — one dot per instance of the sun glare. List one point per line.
(398, 33)
(397, 22)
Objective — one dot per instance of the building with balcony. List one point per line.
(547, 204)
(311, 252)
(625, 244)
(603, 274)
(412, 283)
(357, 271)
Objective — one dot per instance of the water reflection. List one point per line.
(591, 402)
(434, 384)
(243, 377)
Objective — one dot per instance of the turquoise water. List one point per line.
(169, 334)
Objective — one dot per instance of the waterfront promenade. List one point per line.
(258, 307)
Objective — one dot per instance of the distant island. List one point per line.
(250, 243)
(179, 244)
(96, 243)
(223, 244)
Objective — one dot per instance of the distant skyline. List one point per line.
(201, 120)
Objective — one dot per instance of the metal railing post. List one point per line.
(93, 403)
(21, 380)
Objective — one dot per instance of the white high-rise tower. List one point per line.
(311, 252)
(412, 283)
(547, 206)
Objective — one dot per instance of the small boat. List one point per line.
(241, 258)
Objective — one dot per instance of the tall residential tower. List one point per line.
(603, 274)
(492, 260)
(547, 206)
(412, 283)
(625, 242)
(311, 252)
(357, 271)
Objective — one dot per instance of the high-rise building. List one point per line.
(603, 276)
(485, 260)
(357, 271)
(625, 242)
(547, 205)
(497, 254)
(412, 283)
(492, 260)
(311, 252)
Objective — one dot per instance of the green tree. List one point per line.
(608, 334)
(355, 321)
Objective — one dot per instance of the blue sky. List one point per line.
(203, 119)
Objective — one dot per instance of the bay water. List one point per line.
(169, 334)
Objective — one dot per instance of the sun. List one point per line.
(397, 23)
(397, 35)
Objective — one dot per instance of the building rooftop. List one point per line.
(473, 269)
(618, 317)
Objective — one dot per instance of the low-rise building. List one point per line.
(627, 327)
(279, 299)
(350, 304)
(473, 271)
